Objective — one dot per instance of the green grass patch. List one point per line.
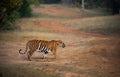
(97, 12)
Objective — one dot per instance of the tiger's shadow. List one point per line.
(41, 59)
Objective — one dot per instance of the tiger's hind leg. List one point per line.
(30, 53)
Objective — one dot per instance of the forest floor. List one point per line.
(88, 53)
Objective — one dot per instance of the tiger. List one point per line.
(42, 46)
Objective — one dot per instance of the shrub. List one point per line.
(25, 10)
(8, 13)
(10, 10)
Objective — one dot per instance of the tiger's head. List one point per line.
(59, 43)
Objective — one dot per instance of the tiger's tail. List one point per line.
(22, 52)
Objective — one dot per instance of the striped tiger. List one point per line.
(42, 46)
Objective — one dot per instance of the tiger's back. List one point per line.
(34, 44)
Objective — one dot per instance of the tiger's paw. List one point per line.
(29, 60)
(54, 57)
(43, 56)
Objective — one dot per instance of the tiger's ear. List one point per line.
(60, 41)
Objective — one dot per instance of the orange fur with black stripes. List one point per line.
(42, 46)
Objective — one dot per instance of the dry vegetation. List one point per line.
(86, 54)
(108, 25)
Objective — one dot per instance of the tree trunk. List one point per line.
(83, 5)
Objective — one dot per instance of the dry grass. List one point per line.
(105, 24)
(97, 12)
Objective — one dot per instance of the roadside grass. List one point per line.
(97, 12)
(107, 25)
(30, 25)
(43, 15)
(88, 12)
(69, 8)
(24, 36)
(22, 71)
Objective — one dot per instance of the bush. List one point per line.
(9, 13)
(25, 10)
(8, 21)
(10, 10)
(35, 2)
